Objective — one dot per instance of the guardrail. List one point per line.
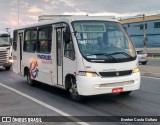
(153, 54)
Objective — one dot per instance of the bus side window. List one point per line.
(44, 39)
(15, 41)
(30, 40)
(69, 47)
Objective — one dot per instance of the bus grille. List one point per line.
(3, 57)
(114, 74)
(117, 84)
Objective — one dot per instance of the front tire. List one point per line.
(144, 63)
(8, 68)
(30, 81)
(74, 92)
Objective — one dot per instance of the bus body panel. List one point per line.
(97, 85)
(109, 67)
(41, 70)
(70, 67)
(103, 85)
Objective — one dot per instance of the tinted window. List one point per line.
(15, 41)
(68, 47)
(30, 40)
(142, 26)
(157, 25)
(44, 39)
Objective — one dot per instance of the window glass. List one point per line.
(59, 47)
(4, 40)
(142, 26)
(103, 40)
(44, 39)
(30, 40)
(69, 48)
(15, 40)
(157, 25)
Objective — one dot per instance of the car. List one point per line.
(142, 57)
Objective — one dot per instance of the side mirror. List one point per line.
(67, 35)
(11, 41)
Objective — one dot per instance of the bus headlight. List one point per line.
(88, 74)
(135, 70)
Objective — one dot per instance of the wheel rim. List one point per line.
(29, 79)
(73, 90)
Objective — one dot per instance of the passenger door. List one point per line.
(59, 55)
(19, 51)
(63, 55)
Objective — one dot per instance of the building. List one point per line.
(135, 29)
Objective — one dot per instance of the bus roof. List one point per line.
(67, 19)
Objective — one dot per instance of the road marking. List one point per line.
(150, 77)
(45, 105)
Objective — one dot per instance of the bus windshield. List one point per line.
(103, 40)
(4, 40)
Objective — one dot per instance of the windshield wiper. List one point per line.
(104, 54)
(124, 53)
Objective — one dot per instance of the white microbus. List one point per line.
(85, 55)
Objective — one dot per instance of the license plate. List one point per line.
(117, 90)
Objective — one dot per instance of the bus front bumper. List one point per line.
(6, 64)
(98, 85)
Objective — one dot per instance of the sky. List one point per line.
(29, 10)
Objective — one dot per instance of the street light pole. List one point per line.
(7, 29)
(145, 38)
(18, 12)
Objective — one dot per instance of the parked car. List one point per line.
(142, 57)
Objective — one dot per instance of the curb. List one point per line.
(157, 58)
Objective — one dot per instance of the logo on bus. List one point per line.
(34, 69)
(46, 59)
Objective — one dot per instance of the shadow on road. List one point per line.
(109, 98)
(20, 83)
(2, 69)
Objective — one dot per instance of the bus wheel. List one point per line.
(8, 68)
(74, 92)
(30, 81)
(125, 93)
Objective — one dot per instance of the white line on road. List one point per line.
(45, 105)
(150, 77)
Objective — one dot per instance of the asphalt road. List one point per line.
(143, 102)
(153, 62)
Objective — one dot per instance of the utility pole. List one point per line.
(18, 11)
(144, 30)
